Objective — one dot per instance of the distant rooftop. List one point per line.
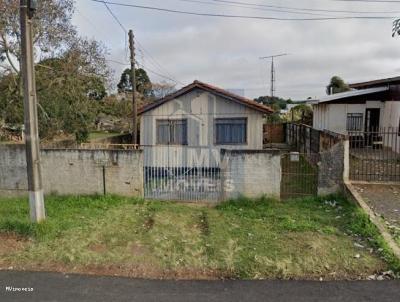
(349, 94)
(375, 83)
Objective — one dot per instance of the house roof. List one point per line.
(375, 83)
(343, 96)
(212, 89)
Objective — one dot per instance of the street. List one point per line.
(60, 287)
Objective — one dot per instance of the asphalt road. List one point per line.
(59, 287)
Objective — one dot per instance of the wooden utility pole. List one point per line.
(133, 83)
(36, 199)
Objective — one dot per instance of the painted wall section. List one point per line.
(333, 117)
(252, 173)
(76, 172)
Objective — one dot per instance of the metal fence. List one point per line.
(299, 175)
(375, 155)
(303, 138)
(182, 173)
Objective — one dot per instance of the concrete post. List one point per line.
(346, 162)
(36, 199)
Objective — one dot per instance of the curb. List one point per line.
(374, 219)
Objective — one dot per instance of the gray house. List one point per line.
(203, 116)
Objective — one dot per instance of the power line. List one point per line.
(306, 9)
(244, 16)
(114, 16)
(147, 69)
(121, 25)
(249, 6)
(159, 74)
(156, 63)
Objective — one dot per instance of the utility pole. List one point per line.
(36, 199)
(273, 71)
(133, 82)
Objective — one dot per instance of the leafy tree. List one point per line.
(52, 30)
(302, 113)
(71, 75)
(336, 85)
(276, 103)
(143, 84)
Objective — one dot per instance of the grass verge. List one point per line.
(244, 239)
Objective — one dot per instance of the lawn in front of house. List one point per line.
(244, 239)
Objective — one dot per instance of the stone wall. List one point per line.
(251, 173)
(331, 169)
(74, 171)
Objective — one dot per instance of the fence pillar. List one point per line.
(346, 161)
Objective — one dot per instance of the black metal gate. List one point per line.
(375, 155)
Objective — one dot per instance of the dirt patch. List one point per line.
(11, 243)
(138, 249)
(148, 223)
(203, 224)
(131, 271)
(384, 200)
(98, 248)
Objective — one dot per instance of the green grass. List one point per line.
(248, 239)
(299, 179)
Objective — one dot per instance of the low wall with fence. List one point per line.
(323, 149)
(73, 171)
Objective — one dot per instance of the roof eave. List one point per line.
(264, 109)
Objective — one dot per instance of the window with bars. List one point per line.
(230, 131)
(354, 122)
(172, 132)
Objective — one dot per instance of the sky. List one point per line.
(226, 51)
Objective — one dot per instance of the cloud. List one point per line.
(226, 52)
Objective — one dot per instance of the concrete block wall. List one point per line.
(251, 173)
(75, 171)
(331, 169)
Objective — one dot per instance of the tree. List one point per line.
(336, 85)
(302, 113)
(143, 84)
(71, 72)
(51, 25)
(274, 102)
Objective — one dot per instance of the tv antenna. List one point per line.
(273, 70)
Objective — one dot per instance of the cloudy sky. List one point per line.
(225, 51)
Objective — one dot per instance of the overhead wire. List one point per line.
(141, 49)
(155, 62)
(304, 9)
(193, 13)
(249, 6)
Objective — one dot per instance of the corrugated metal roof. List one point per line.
(349, 94)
